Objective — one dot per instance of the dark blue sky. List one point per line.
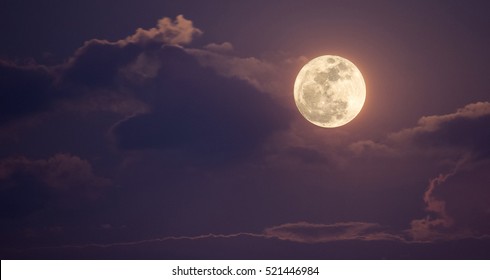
(168, 129)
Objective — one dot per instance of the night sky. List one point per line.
(156, 129)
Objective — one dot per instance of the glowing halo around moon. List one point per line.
(329, 91)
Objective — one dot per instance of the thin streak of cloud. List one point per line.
(300, 232)
(317, 233)
(145, 241)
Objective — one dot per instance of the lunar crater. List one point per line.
(333, 74)
(321, 77)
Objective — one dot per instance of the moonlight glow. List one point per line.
(329, 91)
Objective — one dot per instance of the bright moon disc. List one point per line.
(329, 91)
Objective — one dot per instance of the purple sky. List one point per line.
(168, 129)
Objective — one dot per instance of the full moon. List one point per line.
(329, 91)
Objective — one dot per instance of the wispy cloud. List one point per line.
(315, 233)
(300, 232)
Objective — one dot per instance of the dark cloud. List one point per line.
(200, 111)
(468, 134)
(97, 63)
(436, 225)
(187, 106)
(458, 141)
(32, 88)
(467, 196)
(23, 90)
(466, 130)
(26, 185)
(22, 193)
(167, 107)
(454, 205)
(457, 204)
(266, 74)
(144, 92)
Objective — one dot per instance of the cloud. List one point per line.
(29, 184)
(434, 123)
(250, 69)
(467, 196)
(301, 232)
(457, 204)
(362, 146)
(459, 142)
(33, 88)
(267, 75)
(434, 226)
(181, 31)
(168, 99)
(200, 112)
(87, 82)
(315, 233)
(96, 64)
(24, 90)
(143, 68)
(464, 131)
(220, 48)
(154, 240)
